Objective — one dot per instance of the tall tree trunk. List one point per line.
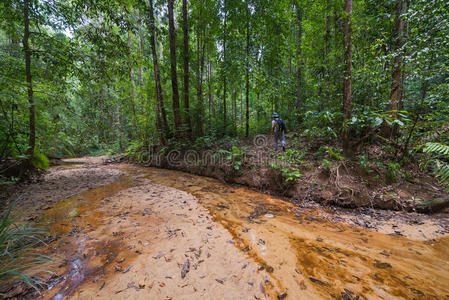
(133, 92)
(161, 116)
(299, 100)
(27, 50)
(174, 76)
(224, 71)
(347, 89)
(200, 49)
(327, 34)
(185, 30)
(403, 76)
(140, 47)
(395, 93)
(247, 70)
(234, 111)
(210, 93)
(397, 60)
(336, 45)
(327, 51)
(209, 98)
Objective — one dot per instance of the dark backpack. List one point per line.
(281, 125)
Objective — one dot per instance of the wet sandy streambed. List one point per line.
(309, 256)
(306, 256)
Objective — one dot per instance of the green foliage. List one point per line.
(321, 124)
(236, 156)
(94, 82)
(441, 171)
(327, 164)
(8, 181)
(288, 163)
(40, 160)
(363, 161)
(292, 156)
(440, 168)
(394, 172)
(18, 252)
(436, 148)
(288, 173)
(334, 153)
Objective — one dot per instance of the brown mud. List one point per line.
(145, 236)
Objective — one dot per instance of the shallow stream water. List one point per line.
(307, 256)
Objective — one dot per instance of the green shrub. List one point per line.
(289, 163)
(40, 160)
(326, 164)
(393, 172)
(364, 162)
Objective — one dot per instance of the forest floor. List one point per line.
(122, 231)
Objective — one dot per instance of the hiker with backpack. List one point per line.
(279, 130)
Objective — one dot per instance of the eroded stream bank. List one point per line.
(135, 237)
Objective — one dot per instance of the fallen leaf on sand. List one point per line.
(162, 254)
(127, 269)
(185, 269)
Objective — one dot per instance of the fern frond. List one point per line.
(441, 171)
(436, 148)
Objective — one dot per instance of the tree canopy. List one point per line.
(88, 76)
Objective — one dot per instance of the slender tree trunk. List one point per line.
(200, 46)
(327, 34)
(247, 70)
(347, 90)
(103, 109)
(234, 111)
(397, 61)
(200, 92)
(174, 76)
(327, 51)
(161, 116)
(299, 100)
(395, 92)
(336, 45)
(140, 47)
(185, 30)
(210, 94)
(401, 87)
(133, 92)
(27, 50)
(224, 71)
(404, 68)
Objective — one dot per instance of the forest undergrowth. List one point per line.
(375, 175)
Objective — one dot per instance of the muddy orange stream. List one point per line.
(310, 257)
(65, 220)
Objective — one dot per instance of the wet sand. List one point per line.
(137, 236)
(312, 257)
